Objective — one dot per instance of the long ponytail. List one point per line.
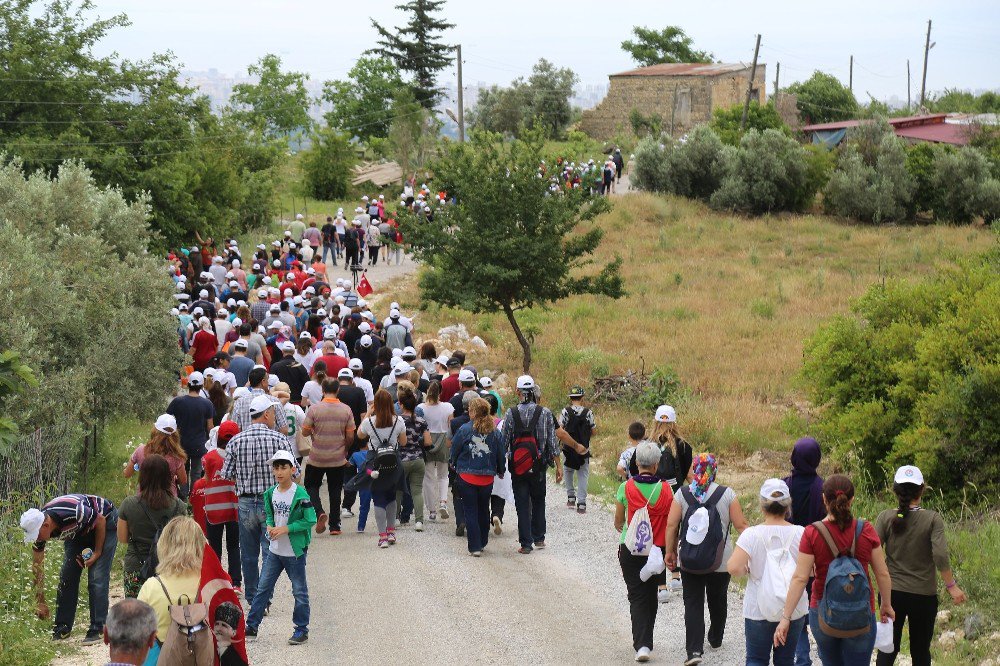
(838, 491)
(905, 494)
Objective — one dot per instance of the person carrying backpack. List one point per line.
(529, 432)
(842, 549)
(643, 494)
(698, 541)
(768, 553)
(579, 422)
(914, 548)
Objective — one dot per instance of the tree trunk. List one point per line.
(525, 347)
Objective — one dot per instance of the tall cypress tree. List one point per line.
(417, 47)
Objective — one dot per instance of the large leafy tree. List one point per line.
(654, 47)
(413, 133)
(326, 166)
(358, 103)
(508, 244)
(542, 99)
(417, 47)
(823, 99)
(278, 103)
(726, 122)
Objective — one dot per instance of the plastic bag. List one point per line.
(883, 637)
(654, 564)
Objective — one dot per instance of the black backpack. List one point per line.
(705, 557)
(385, 458)
(579, 429)
(524, 454)
(148, 569)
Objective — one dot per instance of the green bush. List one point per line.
(691, 167)
(919, 163)
(913, 376)
(650, 169)
(326, 167)
(964, 188)
(767, 172)
(726, 122)
(820, 162)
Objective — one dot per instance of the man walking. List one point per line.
(195, 419)
(331, 426)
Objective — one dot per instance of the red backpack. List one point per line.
(524, 454)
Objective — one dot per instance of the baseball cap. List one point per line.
(297, 300)
(329, 334)
(402, 369)
(31, 523)
(283, 456)
(356, 364)
(486, 382)
(175, 312)
(166, 424)
(409, 352)
(525, 382)
(697, 528)
(454, 362)
(576, 392)
(394, 305)
(665, 414)
(466, 376)
(287, 345)
(196, 379)
(288, 292)
(442, 360)
(346, 373)
(241, 344)
(304, 335)
(909, 474)
(774, 489)
(394, 314)
(276, 324)
(241, 391)
(364, 327)
(203, 293)
(198, 311)
(228, 430)
(365, 341)
(262, 293)
(260, 404)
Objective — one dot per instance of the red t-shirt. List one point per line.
(814, 544)
(477, 479)
(449, 387)
(203, 348)
(334, 364)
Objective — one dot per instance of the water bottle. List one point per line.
(86, 554)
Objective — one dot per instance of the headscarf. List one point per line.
(805, 457)
(804, 484)
(703, 470)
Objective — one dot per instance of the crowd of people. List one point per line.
(599, 178)
(296, 381)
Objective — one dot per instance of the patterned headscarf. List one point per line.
(703, 470)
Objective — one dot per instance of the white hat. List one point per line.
(267, 279)
(409, 352)
(356, 364)
(304, 335)
(298, 217)
(442, 360)
(216, 259)
(287, 346)
(237, 322)
(909, 474)
(486, 382)
(340, 282)
(196, 379)
(321, 312)
(274, 308)
(230, 275)
(288, 292)
(282, 455)
(381, 197)
(665, 414)
(272, 381)
(174, 311)
(198, 311)
(276, 324)
(306, 243)
(365, 341)
(394, 305)
(297, 300)
(276, 243)
(166, 424)
(329, 334)
(774, 489)
(236, 262)
(261, 246)
(523, 382)
(262, 293)
(697, 528)
(359, 209)
(276, 263)
(234, 283)
(364, 198)
(345, 373)
(291, 246)
(369, 315)
(362, 302)
(357, 223)
(468, 376)
(402, 369)
(203, 293)
(31, 523)
(240, 392)
(223, 312)
(183, 307)
(397, 354)
(394, 314)
(241, 344)
(364, 327)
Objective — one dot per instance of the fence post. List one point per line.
(84, 463)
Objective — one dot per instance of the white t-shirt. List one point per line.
(307, 254)
(437, 415)
(222, 329)
(295, 419)
(281, 505)
(382, 436)
(755, 542)
(306, 360)
(365, 386)
(313, 391)
(340, 225)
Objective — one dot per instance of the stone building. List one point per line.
(680, 95)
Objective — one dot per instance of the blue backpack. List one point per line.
(845, 609)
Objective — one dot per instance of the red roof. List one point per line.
(921, 128)
(907, 121)
(687, 69)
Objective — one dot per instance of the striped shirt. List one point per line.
(545, 432)
(74, 515)
(329, 420)
(248, 458)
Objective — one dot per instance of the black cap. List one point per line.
(454, 362)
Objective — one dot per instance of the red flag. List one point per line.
(216, 589)
(364, 287)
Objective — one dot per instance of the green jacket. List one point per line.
(301, 518)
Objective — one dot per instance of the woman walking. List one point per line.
(840, 533)
(418, 440)
(643, 490)
(383, 429)
(774, 541)
(913, 538)
(165, 441)
(477, 454)
(438, 415)
(674, 467)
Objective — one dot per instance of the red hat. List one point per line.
(227, 431)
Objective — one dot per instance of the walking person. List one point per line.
(852, 546)
(477, 454)
(699, 522)
(384, 431)
(195, 417)
(775, 543)
(221, 504)
(644, 490)
(418, 440)
(913, 538)
(164, 441)
(330, 423)
(438, 415)
(675, 466)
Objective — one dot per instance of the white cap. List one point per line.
(397, 354)
(364, 327)
(234, 283)
(665, 414)
(240, 392)
(305, 242)
(174, 311)
(276, 263)
(282, 455)
(697, 528)
(442, 360)
(262, 293)
(276, 243)
(402, 369)
(287, 346)
(266, 279)
(272, 381)
(340, 282)
(356, 364)
(394, 314)
(329, 334)
(486, 382)
(31, 523)
(203, 293)
(345, 373)
(468, 376)
(183, 307)
(523, 382)
(297, 300)
(298, 217)
(287, 293)
(364, 198)
(362, 302)
(216, 259)
(275, 325)
(223, 312)
(365, 341)
(909, 474)
(261, 246)
(166, 424)
(409, 352)
(237, 322)
(369, 315)
(774, 489)
(394, 305)
(198, 311)
(241, 344)
(274, 308)
(210, 373)
(196, 379)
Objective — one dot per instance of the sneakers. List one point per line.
(476, 553)
(335, 531)
(663, 595)
(460, 531)
(298, 637)
(251, 632)
(570, 502)
(693, 659)
(383, 541)
(346, 513)
(60, 633)
(539, 544)
(524, 551)
(321, 522)
(675, 585)
(419, 526)
(432, 516)
(642, 654)
(443, 511)
(581, 508)
(391, 537)
(93, 637)
(497, 527)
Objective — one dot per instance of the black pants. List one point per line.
(497, 505)
(642, 603)
(921, 610)
(529, 503)
(334, 484)
(373, 254)
(232, 531)
(352, 256)
(696, 588)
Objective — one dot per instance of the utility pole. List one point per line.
(907, 84)
(461, 101)
(673, 111)
(927, 50)
(850, 76)
(777, 76)
(753, 73)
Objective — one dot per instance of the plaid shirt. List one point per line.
(545, 432)
(248, 458)
(240, 413)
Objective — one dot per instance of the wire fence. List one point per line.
(47, 459)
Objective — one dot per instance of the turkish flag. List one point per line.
(216, 588)
(364, 287)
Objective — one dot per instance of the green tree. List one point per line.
(15, 378)
(726, 122)
(508, 244)
(326, 166)
(543, 99)
(824, 99)
(417, 47)
(277, 104)
(767, 172)
(358, 103)
(500, 109)
(413, 133)
(671, 44)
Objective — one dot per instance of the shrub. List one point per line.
(920, 166)
(964, 187)
(767, 172)
(326, 167)
(913, 376)
(696, 165)
(820, 162)
(650, 168)
(726, 122)
(870, 182)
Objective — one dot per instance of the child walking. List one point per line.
(579, 422)
(290, 519)
(626, 462)
(358, 459)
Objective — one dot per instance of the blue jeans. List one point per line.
(253, 541)
(329, 248)
(529, 502)
(295, 567)
(476, 507)
(364, 504)
(760, 642)
(802, 653)
(842, 651)
(98, 577)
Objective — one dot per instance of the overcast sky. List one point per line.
(501, 40)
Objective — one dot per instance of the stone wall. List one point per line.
(683, 101)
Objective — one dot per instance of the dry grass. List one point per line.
(726, 302)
